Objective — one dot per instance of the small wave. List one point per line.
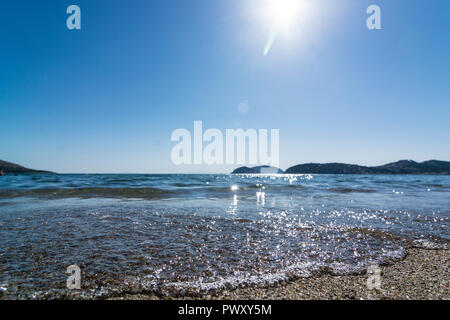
(302, 269)
(351, 190)
(151, 284)
(91, 192)
(187, 185)
(242, 220)
(428, 244)
(377, 234)
(437, 185)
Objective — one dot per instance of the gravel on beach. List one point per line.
(423, 274)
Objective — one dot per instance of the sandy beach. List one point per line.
(422, 275)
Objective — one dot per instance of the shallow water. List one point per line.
(190, 234)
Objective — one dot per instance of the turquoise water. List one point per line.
(178, 234)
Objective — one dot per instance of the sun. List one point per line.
(281, 18)
(282, 13)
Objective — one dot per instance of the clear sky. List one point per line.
(106, 98)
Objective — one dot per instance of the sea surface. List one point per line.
(197, 234)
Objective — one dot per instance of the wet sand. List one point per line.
(423, 274)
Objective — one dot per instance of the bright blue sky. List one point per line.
(107, 98)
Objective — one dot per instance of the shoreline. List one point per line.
(423, 274)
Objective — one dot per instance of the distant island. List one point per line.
(12, 168)
(399, 167)
(256, 170)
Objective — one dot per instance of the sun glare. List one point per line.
(280, 17)
(281, 13)
(285, 19)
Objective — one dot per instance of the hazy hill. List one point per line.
(399, 167)
(328, 168)
(412, 167)
(9, 167)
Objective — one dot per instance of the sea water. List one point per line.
(197, 234)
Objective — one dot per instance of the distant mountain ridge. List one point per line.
(399, 167)
(9, 167)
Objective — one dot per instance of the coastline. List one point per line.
(423, 275)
